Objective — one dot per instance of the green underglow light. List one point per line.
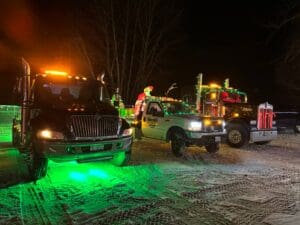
(78, 176)
(98, 173)
(118, 158)
(70, 172)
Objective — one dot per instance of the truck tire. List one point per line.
(39, 167)
(36, 162)
(237, 135)
(212, 148)
(178, 144)
(121, 159)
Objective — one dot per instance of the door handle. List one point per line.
(167, 120)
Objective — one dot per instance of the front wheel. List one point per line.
(178, 144)
(121, 159)
(37, 163)
(237, 136)
(212, 148)
(39, 167)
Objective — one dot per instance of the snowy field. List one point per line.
(253, 185)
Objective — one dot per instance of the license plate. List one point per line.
(96, 148)
(263, 133)
(217, 139)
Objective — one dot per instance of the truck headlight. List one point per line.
(223, 124)
(195, 126)
(127, 132)
(49, 134)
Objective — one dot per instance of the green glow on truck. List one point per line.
(7, 114)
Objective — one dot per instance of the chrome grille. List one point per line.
(265, 116)
(93, 126)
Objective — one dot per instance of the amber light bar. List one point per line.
(56, 73)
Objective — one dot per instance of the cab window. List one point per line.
(153, 107)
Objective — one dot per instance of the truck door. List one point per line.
(152, 117)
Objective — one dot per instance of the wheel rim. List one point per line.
(235, 136)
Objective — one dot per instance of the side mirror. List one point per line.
(101, 78)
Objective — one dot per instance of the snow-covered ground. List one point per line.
(253, 185)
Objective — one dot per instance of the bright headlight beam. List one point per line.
(195, 126)
(46, 134)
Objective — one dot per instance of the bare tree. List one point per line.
(284, 38)
(132, 36)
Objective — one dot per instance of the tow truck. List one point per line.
(244, 122)
(172, 120)
(63, 119)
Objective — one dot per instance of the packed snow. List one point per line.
(258, 184)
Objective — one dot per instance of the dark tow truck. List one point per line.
(63, 119)
(244, 122)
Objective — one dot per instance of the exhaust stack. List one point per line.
(25, 100)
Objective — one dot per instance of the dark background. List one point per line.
(221, 39)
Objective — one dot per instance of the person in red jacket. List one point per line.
(140, 102)
(139, 109)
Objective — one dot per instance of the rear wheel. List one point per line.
(212, 148)
(178, 144)
(121, 159)
(237, 136)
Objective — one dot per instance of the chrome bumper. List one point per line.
(196, 135)
(266, 135)
(203, 139)
(84, 151)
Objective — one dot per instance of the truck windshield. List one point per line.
(176, 108)
(62, 94)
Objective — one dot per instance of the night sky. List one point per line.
(227, 40)
(221, 39)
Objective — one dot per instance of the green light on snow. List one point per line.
(77, 176)
(98, 173)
